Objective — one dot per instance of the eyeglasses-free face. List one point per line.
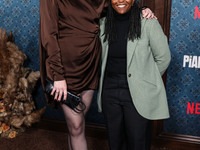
(122, 6)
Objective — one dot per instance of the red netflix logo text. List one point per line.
(193, 108)
(197, 13)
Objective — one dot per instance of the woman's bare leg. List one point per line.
(69, 142)
(76, 122)
(87, 99)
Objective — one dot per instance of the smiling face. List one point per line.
(122, 6)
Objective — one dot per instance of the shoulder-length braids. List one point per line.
(134, 31)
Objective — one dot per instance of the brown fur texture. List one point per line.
(17, 83)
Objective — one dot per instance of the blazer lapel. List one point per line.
(104, 53)
(102, 36)
(105, 50)
(131, 47)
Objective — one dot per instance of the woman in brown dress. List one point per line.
(70, 52)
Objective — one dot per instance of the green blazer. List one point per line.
(147, 60)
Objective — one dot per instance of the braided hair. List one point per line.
(134, 31)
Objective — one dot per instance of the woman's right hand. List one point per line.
(59, 88)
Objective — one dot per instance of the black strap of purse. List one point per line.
(75, 107)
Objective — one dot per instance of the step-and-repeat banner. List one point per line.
(183, 77)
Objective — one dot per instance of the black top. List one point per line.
(116, 63)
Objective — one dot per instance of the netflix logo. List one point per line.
(193, 108)
(197, 13)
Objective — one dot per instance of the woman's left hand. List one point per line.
(147, 13)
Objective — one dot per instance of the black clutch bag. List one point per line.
(73, 101)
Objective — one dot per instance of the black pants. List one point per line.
(127, 130)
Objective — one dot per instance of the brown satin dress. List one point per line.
(70, 48)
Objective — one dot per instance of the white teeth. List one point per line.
(121, 6)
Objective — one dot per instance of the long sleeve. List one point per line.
(159, 46)
(49, 37)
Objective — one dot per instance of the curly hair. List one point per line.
(134, 31)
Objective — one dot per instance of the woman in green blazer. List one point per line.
(135, 54)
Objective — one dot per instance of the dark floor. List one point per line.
(40, 139)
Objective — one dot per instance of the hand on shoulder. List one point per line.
(148, 14)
